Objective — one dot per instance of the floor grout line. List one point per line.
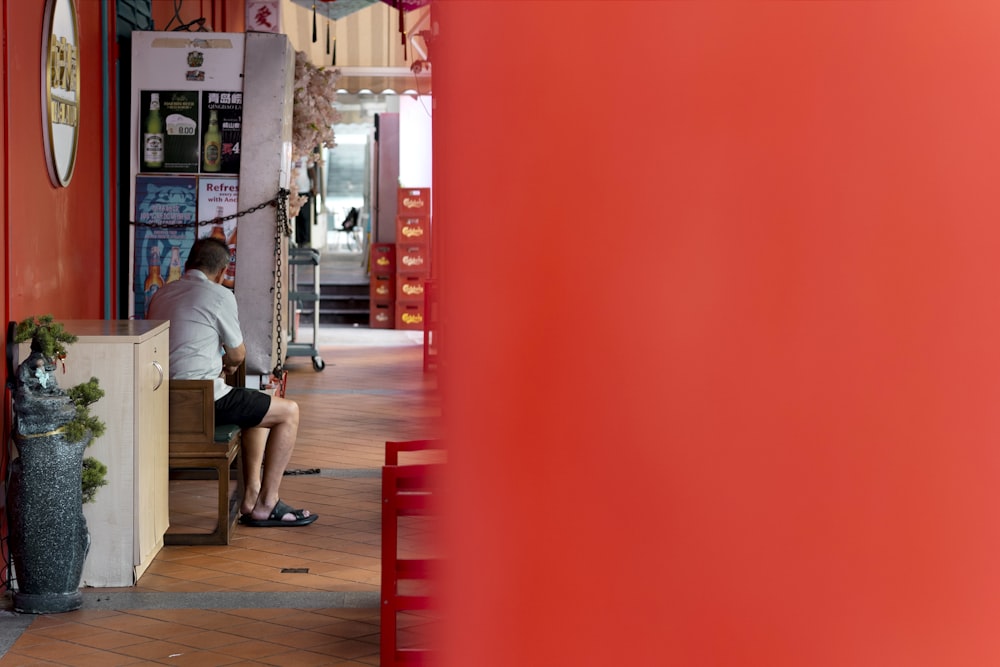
(231, 600)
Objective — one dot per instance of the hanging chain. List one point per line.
(275, 201)
(281, 227)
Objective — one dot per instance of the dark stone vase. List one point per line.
(49, 539)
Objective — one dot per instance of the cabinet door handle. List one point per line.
(159, 368)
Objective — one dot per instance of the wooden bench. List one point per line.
(198, 443)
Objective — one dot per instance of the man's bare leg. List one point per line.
(282, 419)
(254, 440)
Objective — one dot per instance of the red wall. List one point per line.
(722, 334)
(53, 238)
(55, 235)
(219, 15)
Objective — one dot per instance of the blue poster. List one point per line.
(166, 210)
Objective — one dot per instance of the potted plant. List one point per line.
(50, 479)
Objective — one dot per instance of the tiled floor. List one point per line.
(274, 596)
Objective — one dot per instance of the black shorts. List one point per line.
(243, 407)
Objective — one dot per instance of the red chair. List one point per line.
(407, 490)
(394, 447)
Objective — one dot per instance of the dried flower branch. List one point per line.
(313, 117)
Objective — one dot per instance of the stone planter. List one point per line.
(49, 539)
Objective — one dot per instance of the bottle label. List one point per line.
(212, 154)
(152, 149)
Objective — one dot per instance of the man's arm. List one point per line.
(233, 357)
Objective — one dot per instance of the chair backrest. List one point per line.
(192, 411)
(394, 447)
(351, 221)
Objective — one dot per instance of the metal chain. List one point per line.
(275, 201)
(281, 227)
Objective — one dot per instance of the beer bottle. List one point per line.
(229, 279)
(154, 280)
(212, 144)
(174, 270)
(152, 138)
(218, 230)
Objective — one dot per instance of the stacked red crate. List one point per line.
(413, 256)
(413, 202)
(382, 314)
(412, 270)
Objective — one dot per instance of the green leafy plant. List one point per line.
(94, 477)
(83, 395)
(46, 335)
(50, 338)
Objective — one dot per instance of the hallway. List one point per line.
(274, 596)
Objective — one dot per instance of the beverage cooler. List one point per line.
(210, 155)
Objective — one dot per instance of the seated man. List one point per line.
(205, 341)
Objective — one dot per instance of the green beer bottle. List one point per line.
(212, 144)
(152, 138)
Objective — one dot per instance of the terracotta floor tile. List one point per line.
(300, 659)
(202, 659)
(252, 649)
(56, 651)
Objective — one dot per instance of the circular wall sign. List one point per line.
(60, 88)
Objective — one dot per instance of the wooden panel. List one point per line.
(152, 491)
(191, 413)
(110, 517)
(132, 447)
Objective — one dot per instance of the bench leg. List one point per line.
(228, 504)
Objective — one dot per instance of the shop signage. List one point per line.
(60, 88)
(263, 16)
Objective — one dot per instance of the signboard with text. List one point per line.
(187, 89)
(166, 209)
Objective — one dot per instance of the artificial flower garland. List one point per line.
(313, 117)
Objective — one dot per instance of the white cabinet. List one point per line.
(128, 516)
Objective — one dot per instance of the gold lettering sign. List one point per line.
(60, 89)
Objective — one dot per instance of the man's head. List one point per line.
(210, 256)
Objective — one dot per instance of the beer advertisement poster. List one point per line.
(169, 136)
(217, 198)
(222, 120)
(166, 210)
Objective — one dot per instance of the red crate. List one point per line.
(410, 316)
(413, 229)
(382, 288)
(381, 315)
(383, 258)
(410, 289)
(413, 202)
(413, 259)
